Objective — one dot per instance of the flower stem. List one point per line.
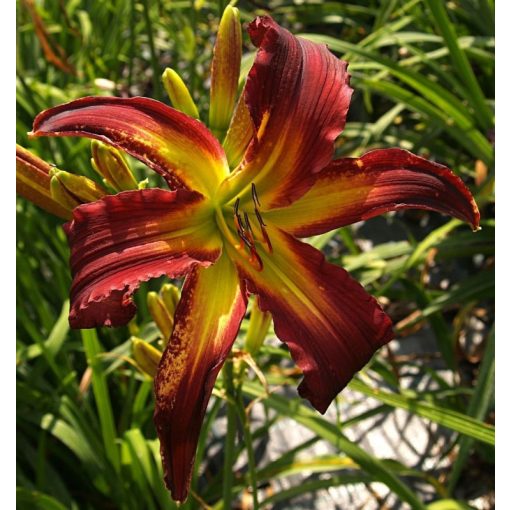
(248, 441)
(228, 466)
(257, 329)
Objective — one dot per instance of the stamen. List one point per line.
(267, 240)
(265, 235)
(237, 217)
(245, 240)
(242, 241)
(259, 217)
(237, 223)
(245, 233)
(249, 231)
(254, 195)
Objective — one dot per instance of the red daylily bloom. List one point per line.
(230, 225)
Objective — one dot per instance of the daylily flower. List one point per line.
(231, 224)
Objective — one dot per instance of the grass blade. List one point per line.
(102, 397)
(461, 63)
(442, 416)
(478, 406)
(330, 432)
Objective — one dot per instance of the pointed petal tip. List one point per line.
(295, 87)
(204, 332)
(382, 180)
(475, 220)
(170, 142)
(331, 325)
(322, 401)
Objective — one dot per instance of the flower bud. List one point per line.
(33, 182)
(61, 195)
(72, 190)
(170, 295)
(111, 164)
(146, 356)
(162, 317)
(178, 93)
(225, 70)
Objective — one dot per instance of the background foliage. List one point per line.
(423, 72)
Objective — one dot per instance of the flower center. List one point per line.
(250, 232)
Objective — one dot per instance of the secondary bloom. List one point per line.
(231, 221)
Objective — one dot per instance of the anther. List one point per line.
(254, 195)
(246, 233)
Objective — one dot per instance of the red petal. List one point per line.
(122, 240)
(330, 323)
(207, 320)
(176, 146)
(350, 190)
(298, 95)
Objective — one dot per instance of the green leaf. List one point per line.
(56, 338)
(460, 61)
(448, 418)
(102, 396)
(308, 487)
(478, 405)
(36, 500)
(330, 432)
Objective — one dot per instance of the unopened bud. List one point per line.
(33, 182)
(146, 356)
(74, 189)
(112, 166)
(225, 70)
(170, 295)
(163, 319)
(179, 94)
(61, 195)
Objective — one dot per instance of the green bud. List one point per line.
(111, 164)
(33, 181)
(146, 356)
(61, 195)
(170, 295)
(163, 319)
(225, 70)
(79, 188)
(178, 93)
